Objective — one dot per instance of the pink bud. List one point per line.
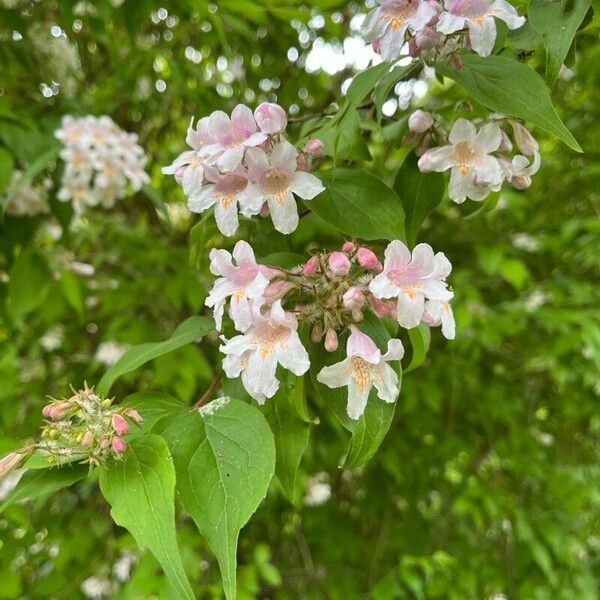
(505, 143)
(135, 415)
(119, 424)
(315, 148)
(348, 247)
(271, 118)
(277, 290)
(302, 163)
(382, 308)
(87, 439)
(311, 266)
(339, 264)
(427, 38)
(420, 121)
(525, 141)
(316, 332)
(56, 410)
(331, 340)
(118, 445)
(10, 462)
(456, 62)
(353, 298)
(413, 49)
(368, 259)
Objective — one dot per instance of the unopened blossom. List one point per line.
(412, 278)
(244, 282)
(437, 313)
(478, 16)
(315, 148)
(391, 20)
(271, 118)
(311, 266)
(339, 264)
(331, 340)
(228, 193)
(12, 461)
(474, 171)
(272, 339)
(276, 179)
(420, 121)
(520, 169)
(363, 368)
(526, 143)
(368, 259)
(353, 298)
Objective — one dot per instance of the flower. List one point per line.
(440, 313)
(339, 264)
(420, 121)
(412, 278)
(363, 368)
(474, 171)
(478, 16)
(276, 178)
(271, 118)
(391, 20)
(367, 259)
(226, 193)
(244, 282)
(230, 136)
(272, 339)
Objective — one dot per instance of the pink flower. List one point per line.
(244, 282)
(315, 148)
(525, 141)
(363, 368)
(277, 290)
(311, 266)
(412, 278)
(11, 461)
(383, 308)
(56, 410)
(119, 425)
(339, 264)
(367, 259)
(440, 313)
(118, 445)
(420, 121)
(135, 415)
(353, 298)
(331, 340)
(348, 247)
(271, 118)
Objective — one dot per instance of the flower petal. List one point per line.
(482, 34)
(410, 309)
(306, 185)
(462, 131)
(387, 384)
(284, 214)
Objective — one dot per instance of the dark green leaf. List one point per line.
(419, 338)
(30, 279)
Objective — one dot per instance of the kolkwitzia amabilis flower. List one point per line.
(478, 16)
(271, 340)
(390, 22)
(437, 313)
(245, 283)
(28, 199)
(412, 278)
(276, 178)
(475, 172)
(363, 368)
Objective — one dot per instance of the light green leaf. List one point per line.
(510, 87)
(363, 84)
(71, 290)
(141, 491)
(557, 22)
(156, 409)
(30, 279)
(420, 338)
(419, 192)
(7, 163)
(388, 81)
(224, 455)
(359, 204)
(188, 331)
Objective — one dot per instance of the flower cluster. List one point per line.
(428, 24)
(329, 294)
(479, 159)
(28, 199)
(102, 161)
(242, 163)
(85, 427)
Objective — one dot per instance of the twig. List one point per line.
(211, 388)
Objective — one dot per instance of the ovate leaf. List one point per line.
(141, 491)
(224, 455)
(7, 163)
(359, 204)
(155, 408)
(29, 281)
(419, 338)
(510, 87)
(419, 192)
(188, 331)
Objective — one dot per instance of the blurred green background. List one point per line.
(488, 484)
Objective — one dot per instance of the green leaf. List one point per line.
(420, 338)
(388, 81)
(188, 331)
(510, 87)
(285, 260)
(71, 290)
(30, 279)
(224, 455)
(7, 164)
(557, 22)
(155, 408)
(359, 204)
(369, 431)
(141, 491)
(363, 84)
(419, 192)
(41, 482)
(291, 433)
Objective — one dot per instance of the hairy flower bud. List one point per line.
(311, 266)
(525, 141)
(348, 247)
(339, 264)
(87, 439)
(316, 332)
(271, 118)
(118, 445)
(56, 410)
(11, 461)
(353, 298)
(315, 148)
(368, 259)
(505, 143)
(420, 121)
(277, 290)
(331, 340)
(382, 308)
(119, 424)
(135, 415)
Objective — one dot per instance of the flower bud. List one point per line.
(104, 443)
(315, 148)
(357, 315)
(525, 141)
(505, 143)
(302, 163)
(10, 462)
(331, 340)
(382, 308)
(353, 298)
(264, 210)
(377, 46)
(348, 247)
(135, 415)
(316, 332)
(87, 439)
(119, 424)
(427, 38)
(271, 118)
(420, 121)
(455, 61)
(339, 264)
(311, 266)
(277, 290)
(56, 410)
(118, 445)
(522, 181)
(368, 259)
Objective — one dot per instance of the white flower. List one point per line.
(412, 278)
(437, 313)
(363, 368)
(478, 16)
(277, 178)
(474, 171)
(108, 353)
(391, 20)
(244, 282)
(318, 490)
(272, 339)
